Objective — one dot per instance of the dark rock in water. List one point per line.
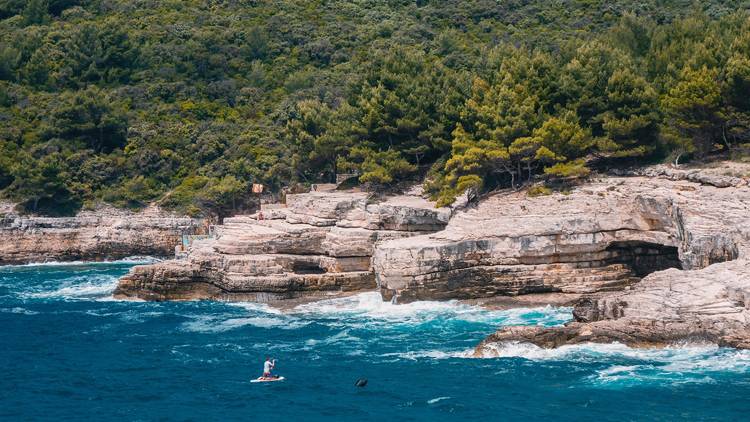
(361, 382)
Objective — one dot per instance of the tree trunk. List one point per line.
(335, 168)
(101, 139)
(724, 136)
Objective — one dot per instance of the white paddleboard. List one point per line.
(261, 379)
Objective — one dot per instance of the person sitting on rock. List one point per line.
(268, 367)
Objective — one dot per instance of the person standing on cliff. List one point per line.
(268, 367)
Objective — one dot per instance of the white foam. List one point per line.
(431, 354)
(371, 306)
(18, 310)
(524, 350)
(135, 260)
(710, 360)
(437, 399)
(680, 363)
(82, 287)
(618, 373)
(217, 325)
(340, 337)
(256, 307)
(594, 351)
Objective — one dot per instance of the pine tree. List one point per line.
(36, 12)
(631, 122)
(566, 144)
(737, 89)
(693, 112)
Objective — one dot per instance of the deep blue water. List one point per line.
(69, 352)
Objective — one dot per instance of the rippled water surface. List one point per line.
(70, 352)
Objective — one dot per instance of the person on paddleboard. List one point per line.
(268, 367)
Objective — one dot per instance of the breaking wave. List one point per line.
(623, 365)
(371, 307)
(131, 260)
(80, 287)
(217, 324)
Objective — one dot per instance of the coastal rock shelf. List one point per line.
(708, 301)
(649, 259)
(709, 305)
(603, 236)
(321, 243)
(103, 234)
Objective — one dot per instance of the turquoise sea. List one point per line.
(70, 352)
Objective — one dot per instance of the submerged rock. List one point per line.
(321, 243)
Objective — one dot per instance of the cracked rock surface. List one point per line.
(321, 243)
(103, 234)
(708, 300)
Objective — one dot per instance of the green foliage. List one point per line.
(201, 195)
(35, 12)
(693, 109)
(539, 190)
(87, 116)
(133, 193)
(185, 103)
(569, 169)
(379, 168)
(41, 185)
(631, 122)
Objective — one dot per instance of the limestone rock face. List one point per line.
(707, 176)
(322, 242)
(603, 236)
(92, 235)
(708, 300)
(706, 305)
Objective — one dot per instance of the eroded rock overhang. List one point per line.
(604, 236)
(320, 243)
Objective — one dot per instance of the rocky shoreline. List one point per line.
(646, 258)
(100, 235)
(707, 301)
(319, 244)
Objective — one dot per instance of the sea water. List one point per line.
(68, 351)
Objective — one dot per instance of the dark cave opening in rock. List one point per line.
(307, 268)
(644, 258)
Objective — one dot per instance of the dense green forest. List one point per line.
(186, 103)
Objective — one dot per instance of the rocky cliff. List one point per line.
(658, 256)
(98, 235)
(707, 305)
(706, 301)
(321, 242)
(602, 236)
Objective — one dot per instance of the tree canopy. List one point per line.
(188, 103)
